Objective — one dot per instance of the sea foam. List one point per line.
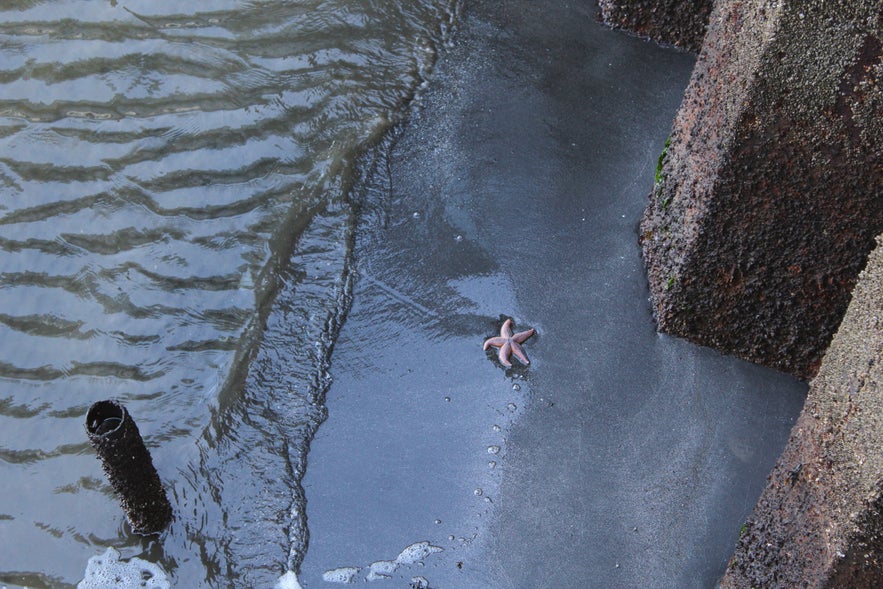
(107, 570)
(288, 581)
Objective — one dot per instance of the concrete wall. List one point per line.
(765, 210)
(771, 190)
(819, 522)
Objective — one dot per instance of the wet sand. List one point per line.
(619, 457)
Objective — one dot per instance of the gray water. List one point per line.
(166, 174)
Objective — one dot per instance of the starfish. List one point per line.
(510, 344)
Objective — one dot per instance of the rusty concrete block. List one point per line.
(771, 190)
(676, 22)
(819, 522)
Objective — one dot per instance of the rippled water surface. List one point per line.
(166, 172)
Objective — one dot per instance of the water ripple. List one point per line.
(165, 171)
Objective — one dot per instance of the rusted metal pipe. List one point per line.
(128, 466)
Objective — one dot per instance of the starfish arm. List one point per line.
(522, 336)
(505, 351)
(506, 330)
(496, 342)
(519, 353)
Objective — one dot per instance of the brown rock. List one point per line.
(677, 22)
(771, 191)
(819, 522)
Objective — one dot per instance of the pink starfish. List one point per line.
(510, 344)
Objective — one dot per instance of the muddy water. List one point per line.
(166, 173)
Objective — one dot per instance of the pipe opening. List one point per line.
(104, 417)
(128, 466)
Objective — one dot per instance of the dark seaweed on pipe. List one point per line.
(128, 466)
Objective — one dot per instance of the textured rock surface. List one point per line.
(771, 191)
(819, 522)
(678, 22)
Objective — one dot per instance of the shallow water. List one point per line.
(165, 175)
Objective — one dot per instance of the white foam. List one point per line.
(108, 570)
(341, 575)
(417, 552)
(383, 569)
(288, 581)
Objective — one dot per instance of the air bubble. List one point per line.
(492, 464)
(516, 387)
(458, 238)
(478, 492)
(497, 428)
(493, 449)
(512, 407)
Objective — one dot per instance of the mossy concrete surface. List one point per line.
(771, 191)
(819, 522)
(677, 22)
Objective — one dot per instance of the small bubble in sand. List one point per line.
(447, 399)
(512, 407)
(458, 238)
(478, 492)
(492, 464)
(438, 521)
(516, 387)
(493, 449)
(497, 428)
